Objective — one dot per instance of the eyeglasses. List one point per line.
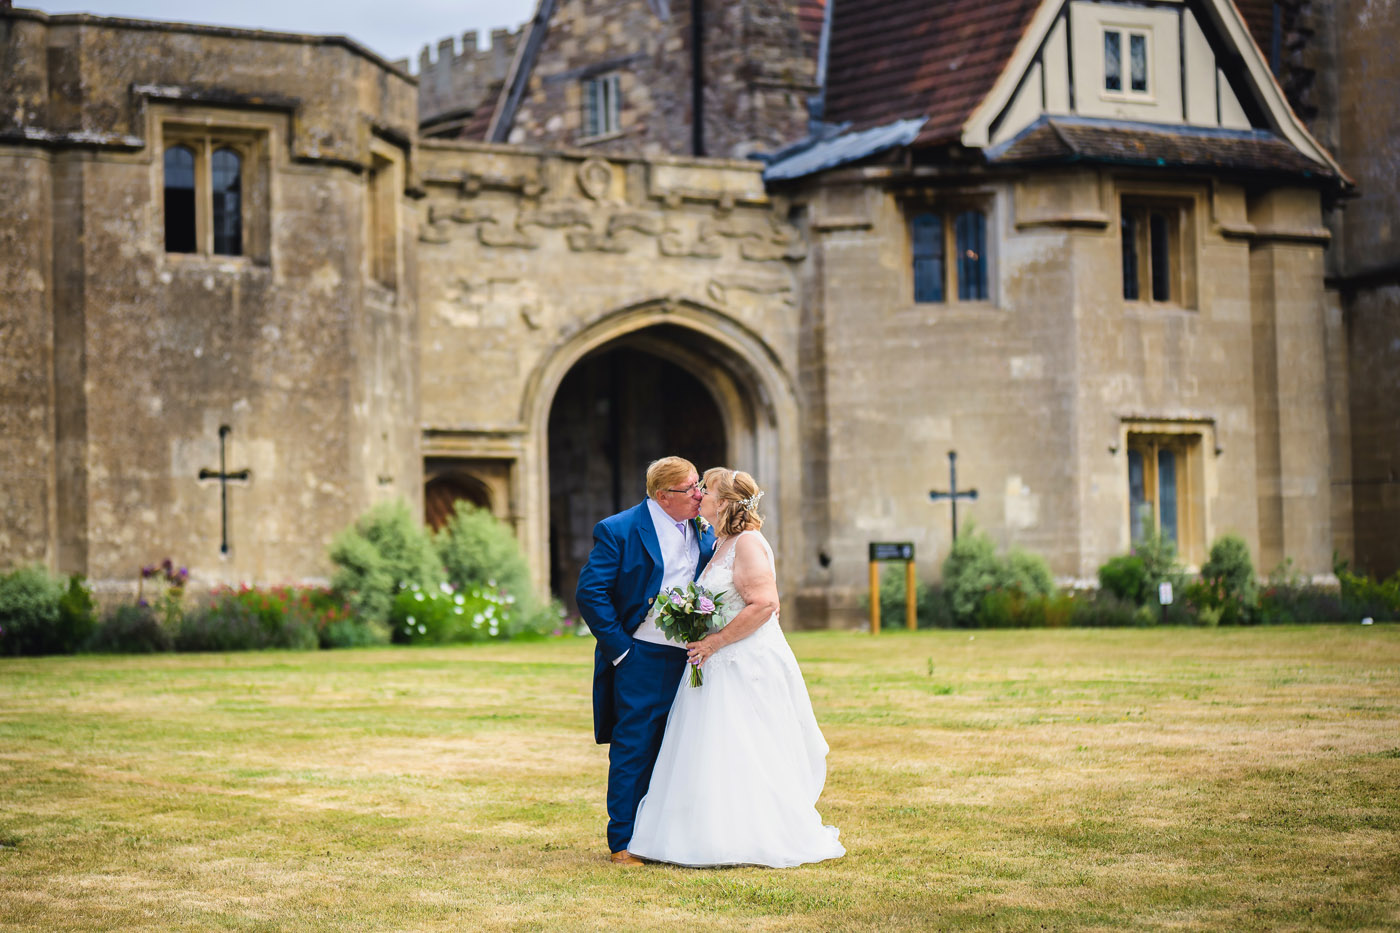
(689, 489)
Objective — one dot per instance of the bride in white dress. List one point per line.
(742, 762)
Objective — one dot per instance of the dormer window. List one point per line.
(1125, 66)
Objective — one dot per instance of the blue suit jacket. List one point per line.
(615, 589)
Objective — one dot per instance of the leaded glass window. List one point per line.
(180, 229)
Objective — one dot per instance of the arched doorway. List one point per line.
(441, 494)
(742, 384)
(619, 408)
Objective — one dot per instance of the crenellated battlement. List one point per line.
(456, 79)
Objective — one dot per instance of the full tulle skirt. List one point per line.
(741, 766)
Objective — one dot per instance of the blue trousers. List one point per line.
(644, 685)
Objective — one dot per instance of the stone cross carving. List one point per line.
(953, 494)
(224, 477)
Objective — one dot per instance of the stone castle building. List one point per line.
(251, 282)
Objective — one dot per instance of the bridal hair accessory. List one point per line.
(751, 502)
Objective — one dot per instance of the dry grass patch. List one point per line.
(1110, 780)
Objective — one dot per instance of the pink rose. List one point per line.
(706, 606)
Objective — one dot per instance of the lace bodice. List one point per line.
(718, 577)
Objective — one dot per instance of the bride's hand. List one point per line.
(701, 651)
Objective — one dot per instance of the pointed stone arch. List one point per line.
(755, 392)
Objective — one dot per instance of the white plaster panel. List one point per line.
(1163, 103)
(1056, 62)
(1200, 75)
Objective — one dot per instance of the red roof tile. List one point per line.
(894, 59)
(1065, 139)
(1259, 16)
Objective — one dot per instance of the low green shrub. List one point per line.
(973, 569)
(383, 549)
(1290, 602)
(129, 629)
(1125, 576)
(1365, 597)
(478, 551)
(1229, 575)
(444, 613)
(251, 618)
(40, 614)
(221, 627)
(1011, 608)
(930, 604)
(1102, 609)
(1159, 564)
(77, 614)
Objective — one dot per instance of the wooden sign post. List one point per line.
(893, 550)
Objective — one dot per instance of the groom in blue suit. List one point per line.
(657, 544)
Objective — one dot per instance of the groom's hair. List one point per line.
(667, 472)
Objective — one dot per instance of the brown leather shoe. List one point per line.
(626, 858)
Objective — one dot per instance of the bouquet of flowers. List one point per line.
(686, 615)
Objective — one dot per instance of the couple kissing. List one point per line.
(728, 772)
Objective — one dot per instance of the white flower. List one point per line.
(418, 596)
(458, 599)
(411, 620)
(478, 618)
(446, 588)
(422, 629)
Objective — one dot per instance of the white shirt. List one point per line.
(680, 552)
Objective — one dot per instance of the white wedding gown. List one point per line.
(742, 761)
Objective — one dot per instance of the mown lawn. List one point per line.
(1044, 780)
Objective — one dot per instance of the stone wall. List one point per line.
(758, 72)
(145, 354)
(1366, 108)
(530, 261)
(1038, 388)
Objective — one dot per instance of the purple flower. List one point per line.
(706, 606)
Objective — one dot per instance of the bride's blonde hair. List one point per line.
(738, 497)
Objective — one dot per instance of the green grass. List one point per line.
(997, 780)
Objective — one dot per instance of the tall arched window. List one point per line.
(226, 167)
(180, 235)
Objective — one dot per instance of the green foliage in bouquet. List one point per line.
(689, 613)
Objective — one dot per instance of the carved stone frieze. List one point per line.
(594, 227)
(586, 241)
(673, 242)
(496, 234)
(555, 217)
(594, 177)
(720, 286)
(649, 224)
